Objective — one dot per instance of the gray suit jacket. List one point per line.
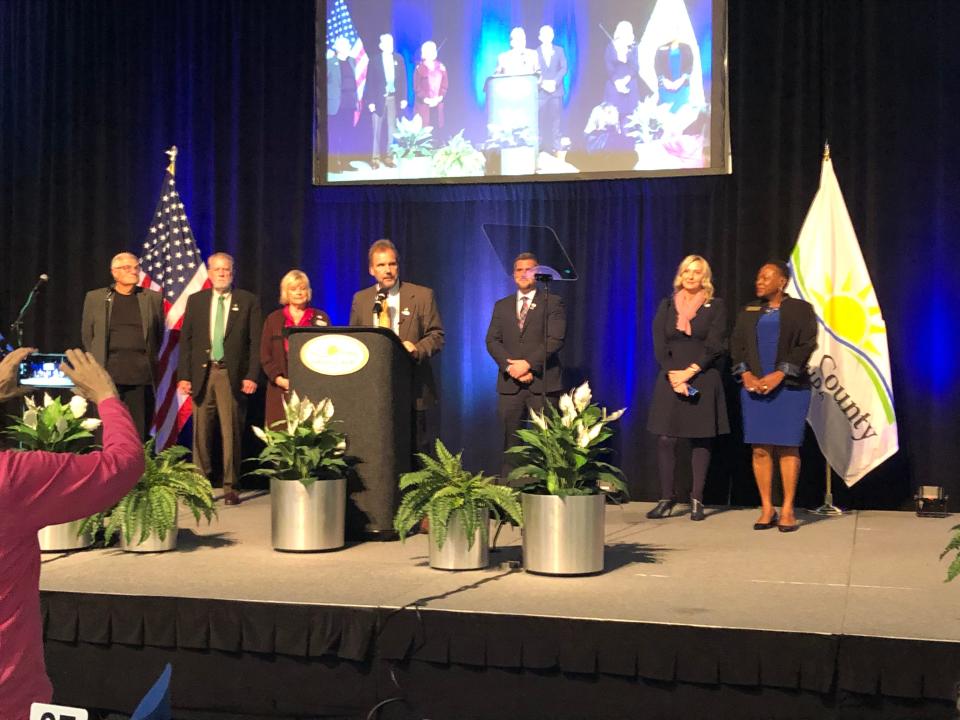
(95, 325)
(420, 323)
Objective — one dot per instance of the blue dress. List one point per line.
(777, 418)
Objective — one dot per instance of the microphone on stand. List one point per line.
(378, 303)
(41, 281)
(16, 327)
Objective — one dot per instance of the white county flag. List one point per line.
(851, 410)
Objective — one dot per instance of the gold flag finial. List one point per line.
(826, 150)
(172, 154)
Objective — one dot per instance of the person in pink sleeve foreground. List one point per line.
(45, 488)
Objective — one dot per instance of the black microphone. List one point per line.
(378, 304)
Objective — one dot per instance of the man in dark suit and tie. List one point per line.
(411, 312)
(219, 366)
(553, 69)
(386, 96)
(122, 328)
(515, 340)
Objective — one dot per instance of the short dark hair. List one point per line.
(781, 267)
(525, 256)
(379, 246)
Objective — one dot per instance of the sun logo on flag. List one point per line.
(852, 314)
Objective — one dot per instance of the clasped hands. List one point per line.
(520, 371)
(762, 386)
(679, 379)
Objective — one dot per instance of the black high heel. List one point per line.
(767, 525)
(696, 511)
(663, 508)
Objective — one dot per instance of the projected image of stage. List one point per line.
(546, 89)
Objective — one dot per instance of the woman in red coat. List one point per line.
(295, 294)
(430, 87)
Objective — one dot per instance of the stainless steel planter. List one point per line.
(306, 520)
(62, 537)
(152, 544)
(455, 555)
(563, 536)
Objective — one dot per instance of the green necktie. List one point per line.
(216, 352)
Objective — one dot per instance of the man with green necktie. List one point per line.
(219, 366)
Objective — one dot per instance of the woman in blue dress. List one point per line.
(770, 346)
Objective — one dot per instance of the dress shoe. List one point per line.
(766, 525)
(662, 509)
(696, 510)
(375, 164)
(231, 497)
(389, 162)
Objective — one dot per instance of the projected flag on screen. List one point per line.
(851, 411)
(340, 23)
(171, 264)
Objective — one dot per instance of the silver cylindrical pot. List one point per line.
(563, 535)
(63, 537)
(455, 555)
(152, 544)
(307, 519)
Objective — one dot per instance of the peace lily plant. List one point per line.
(304, 446)
(562, 449)
(54, 426)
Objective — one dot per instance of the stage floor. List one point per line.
(867, 573)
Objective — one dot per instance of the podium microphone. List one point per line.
(378, 304)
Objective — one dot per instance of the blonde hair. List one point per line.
(706, 283)
(294, 277)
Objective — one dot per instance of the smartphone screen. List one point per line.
(43, 370)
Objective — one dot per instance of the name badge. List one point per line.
(42, 711)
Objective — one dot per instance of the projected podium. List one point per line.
(513, 122)
(368, 375)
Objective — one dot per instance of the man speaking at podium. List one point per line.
(411, 312)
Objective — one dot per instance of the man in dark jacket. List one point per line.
(386, 96)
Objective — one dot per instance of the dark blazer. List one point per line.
(797, 341)
(95, 325)
(273, 359)
(554, 71)
(240, 341)
(334, 81)
(376, 88)
(506, 340)
(685, 350)
(420, 323)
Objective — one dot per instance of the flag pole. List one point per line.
(828, 508)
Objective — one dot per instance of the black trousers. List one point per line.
(139, 400)
(514, 410)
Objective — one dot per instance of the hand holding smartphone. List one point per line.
(42, 370)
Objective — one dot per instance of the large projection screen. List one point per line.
(453, 91)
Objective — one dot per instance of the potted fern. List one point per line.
(56, 426)
(304, 458)
(146, 517)
(560, 459)
(458, 505)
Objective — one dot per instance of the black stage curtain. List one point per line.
(93, 91)
(245, 659)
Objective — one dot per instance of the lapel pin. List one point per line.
(405, 311)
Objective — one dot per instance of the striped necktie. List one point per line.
(524, 309)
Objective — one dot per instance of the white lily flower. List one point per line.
(583, 437)
(538, 419)
(319, 423)
(31, 405)
(90, 424)
(327, 409)
(613, 416)
(62, 425)
(260, 434)
(593, 432)
(78, 406)
(582, 397)
(306, 410)
(568, 410)
(342, 446)
(30, 418)
(47, 400)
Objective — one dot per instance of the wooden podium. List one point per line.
(368, 374)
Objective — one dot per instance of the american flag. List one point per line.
(340, 23)
(172, 265)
